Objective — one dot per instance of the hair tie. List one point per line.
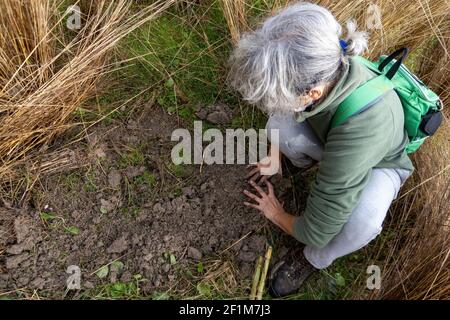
(344, 45)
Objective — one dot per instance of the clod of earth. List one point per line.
(220, 113)
(194, 254)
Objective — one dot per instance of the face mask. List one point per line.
(302, 108)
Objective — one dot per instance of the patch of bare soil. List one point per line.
(129, 204)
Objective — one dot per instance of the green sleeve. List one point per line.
(350, 153)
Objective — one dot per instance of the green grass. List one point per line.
(182, 53)
(177, 170)
(89, 183)
(118, 290)
(147, 179)
(72, 180)
(181, 57)
(134, 157)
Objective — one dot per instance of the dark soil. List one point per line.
(128, 203)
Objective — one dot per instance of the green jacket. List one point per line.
(374, 138)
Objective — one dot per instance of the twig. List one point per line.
(108, 264)
(437, 274)
(423, 182)
(236, 242)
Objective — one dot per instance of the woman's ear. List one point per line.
(317, 92)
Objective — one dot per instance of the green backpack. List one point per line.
(421, 106)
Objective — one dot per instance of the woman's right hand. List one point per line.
(263, 170)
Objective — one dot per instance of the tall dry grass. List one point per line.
(47, 71)
(416, 263)
(235, 15)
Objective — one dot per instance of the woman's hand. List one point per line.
(270, 207)
(267, 203)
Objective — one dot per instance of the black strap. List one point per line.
(393, 70)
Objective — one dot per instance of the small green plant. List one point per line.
(47, 216)
(200, 267)
(72, 230)
(170, 258)
(160, 296)
(177, 192)
(121, 290)
(147, 178)
(72, 180)
(339, 279)
(89, 184)
(176, 170)
(133, 158)
(102, 272)
(55, 222)
(204, 289)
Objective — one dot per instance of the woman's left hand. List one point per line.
(267, 203)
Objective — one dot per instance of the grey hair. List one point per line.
(289, 54)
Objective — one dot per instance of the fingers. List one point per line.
(252, 196)
(270, 188)
(260, 179)
(255, 198)
(251, 205)
(259, 189)
(252, 172)
(255, 177)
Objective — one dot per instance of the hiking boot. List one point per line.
(288, 275)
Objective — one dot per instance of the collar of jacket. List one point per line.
(352, 77)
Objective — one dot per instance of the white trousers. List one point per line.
(298, 142)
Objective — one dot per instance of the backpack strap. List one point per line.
(363, 96)
(397, 64)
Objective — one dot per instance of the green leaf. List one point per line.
(173, 260)
(200, 267)
(103, 210)
(171, 109)
(117, 265)
(72, 230)
(46, 216)
(102, 272)
(120, 287)
(170, 83)
(203, 289)
(160, 296)
(340, 280)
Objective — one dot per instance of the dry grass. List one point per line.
(215, 280)
(235, 15)
(404, 22)
(47, 71)
(416, 263)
